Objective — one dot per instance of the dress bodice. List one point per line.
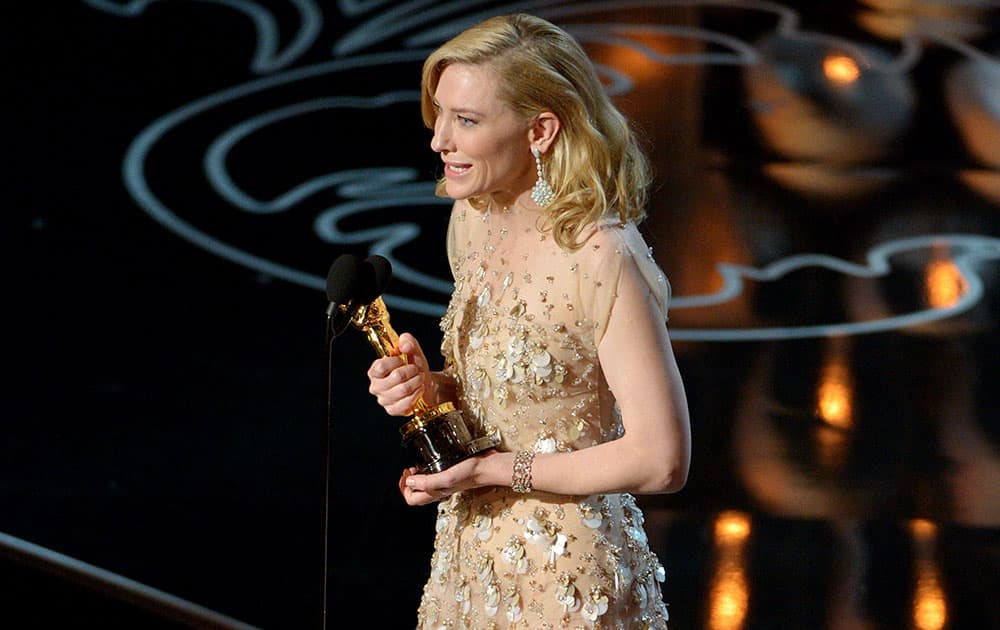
(522, 331)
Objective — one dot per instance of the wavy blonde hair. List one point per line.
(595, 166)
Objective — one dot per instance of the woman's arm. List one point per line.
(653, 456)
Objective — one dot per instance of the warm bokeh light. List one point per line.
(922, 529)
(835, 394)
(729, 593)
(728, 598)
(834, 405)
(944, 283)
(841, 69)
(930, 612)
(731, 527)
(930, 606)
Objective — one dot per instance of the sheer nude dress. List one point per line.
(520, 338)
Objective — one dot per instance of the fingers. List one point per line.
(420, 489)
(399, 384)
(411, 495)
(418, 498)
(409, 346)
(398, 391)
(440, 484)
(390, 372)
(407, 472)
(381, 368)
(400, 406)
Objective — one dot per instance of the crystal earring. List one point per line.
(541, 192)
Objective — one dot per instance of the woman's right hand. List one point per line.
(398, 384)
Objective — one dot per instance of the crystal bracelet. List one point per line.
(521, 478)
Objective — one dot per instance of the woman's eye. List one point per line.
(466, 122)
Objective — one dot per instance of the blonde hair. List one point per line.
(595, 166)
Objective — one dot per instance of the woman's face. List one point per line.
(483, 143)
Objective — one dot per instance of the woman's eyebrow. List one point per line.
(461, 110)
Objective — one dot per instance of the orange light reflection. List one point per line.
(835, 395)
(930, 606)
(639, 66)
(729, 593)
(732, 528)
(944, 283)
(834, 405)
(840, 69)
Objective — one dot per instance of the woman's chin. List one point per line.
(457, 191)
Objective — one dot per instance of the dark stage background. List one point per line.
(181, 175)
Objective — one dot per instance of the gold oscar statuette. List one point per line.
(438, 436)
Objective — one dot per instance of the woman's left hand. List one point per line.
(421, 489)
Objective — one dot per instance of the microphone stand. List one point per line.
(331, 335)
(347, 277)
(333, 330)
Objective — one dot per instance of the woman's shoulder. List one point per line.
(608, 236)
(613, 246)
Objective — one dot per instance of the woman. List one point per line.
(554, 340)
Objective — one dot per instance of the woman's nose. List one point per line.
(439, 141)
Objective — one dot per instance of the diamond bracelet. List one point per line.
(521, 478)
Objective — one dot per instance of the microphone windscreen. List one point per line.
(368, 283)
(383, 272)
(344, 279)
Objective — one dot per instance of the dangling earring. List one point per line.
(541, 192)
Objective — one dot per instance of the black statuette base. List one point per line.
(441, 442)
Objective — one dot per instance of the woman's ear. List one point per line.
(543, 131)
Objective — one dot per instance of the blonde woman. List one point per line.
(555, 341)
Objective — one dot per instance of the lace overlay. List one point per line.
(520, 337)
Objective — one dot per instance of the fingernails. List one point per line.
(411, 483)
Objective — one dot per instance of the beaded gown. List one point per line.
(520, 337)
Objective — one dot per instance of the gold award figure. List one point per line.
(437, 436)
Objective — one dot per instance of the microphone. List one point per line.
(342, 279)
(353, 284)
(343, 283)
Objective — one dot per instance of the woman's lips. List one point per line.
(456, 170)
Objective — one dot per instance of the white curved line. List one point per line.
(964, 47)
(135, 158)
(405, 15)
(351, 8)
(218, 150)
(267, 57)
(618, 82)
(787, 18)
(980, 248)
